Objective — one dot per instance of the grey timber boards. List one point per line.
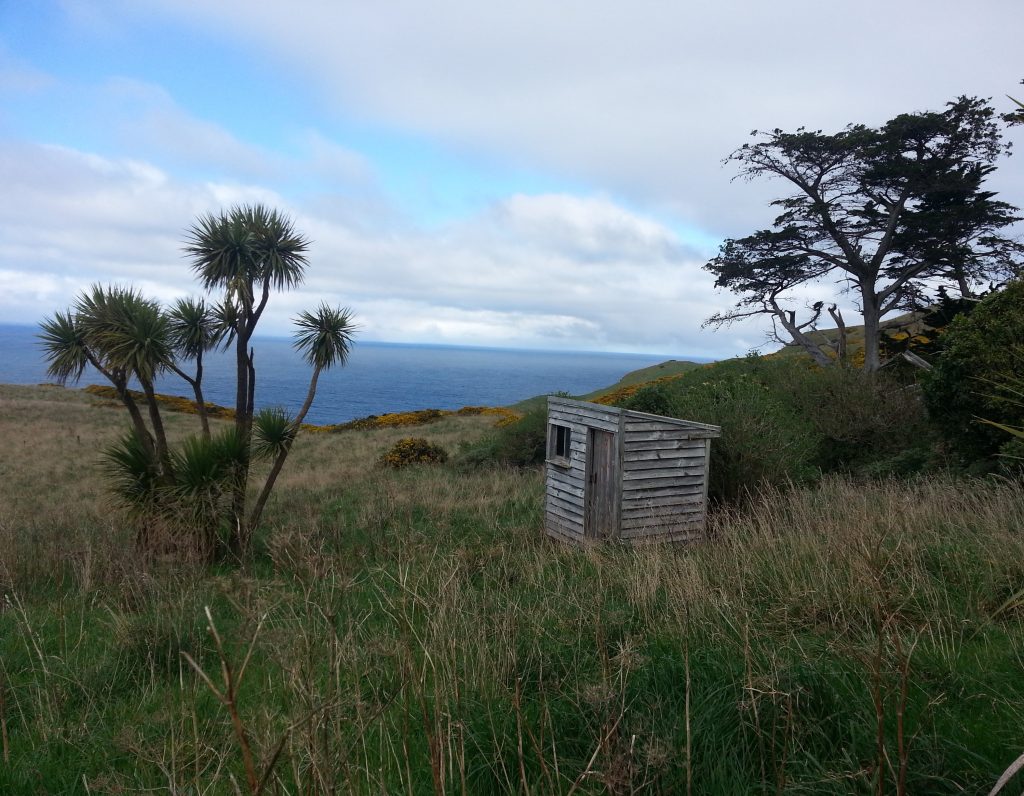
(601, 490)
(624, 475)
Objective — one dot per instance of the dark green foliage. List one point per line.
(324, 337)
(889, 212)
(273, 431)
(189, 502)
(204, 467)
(246, 248)
(764, 441)
(787, 421)
(64, 347)
(127, 330)
(927, 341)
(414, 450)
(862, 422)
(522, 443)
(656, 399)
(981, 355)
(131, 472)
(194, 327)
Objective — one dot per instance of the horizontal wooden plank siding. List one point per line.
(642, 492)
(665, 536)
(653, 505)
(660, 478)
(571, 509)
(662, 521)
(661, 473)
(639, 454)
(663, 442)
(559, 530)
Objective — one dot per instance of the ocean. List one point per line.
(378, 378)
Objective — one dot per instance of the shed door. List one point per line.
(599, 518)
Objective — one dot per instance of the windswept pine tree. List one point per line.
(888, 213)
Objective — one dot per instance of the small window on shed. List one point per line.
(558, 444)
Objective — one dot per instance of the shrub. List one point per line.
(787, 420)
(871, 423)
(521, 443)
(763, 441)
(414, 450)
(981, 353)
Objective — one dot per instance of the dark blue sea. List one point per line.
(379, 377)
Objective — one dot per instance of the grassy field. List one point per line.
(414, 632)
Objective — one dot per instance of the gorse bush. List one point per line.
(862, 422)
(784, 421)
(414, 450)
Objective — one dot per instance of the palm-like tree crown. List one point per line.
(125, 330)
(247, 246)
(64, 347)
(193, 326)
(324, 338)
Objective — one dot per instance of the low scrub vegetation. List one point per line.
(414, 450)
(787, 421)
(412, 630)
(976, 378)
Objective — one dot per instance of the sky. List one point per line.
(526, 174)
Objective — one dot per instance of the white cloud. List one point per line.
(642, 99)
(147, 121)
(637, 103)
(521, 273)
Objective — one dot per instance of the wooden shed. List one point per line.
(617, 474)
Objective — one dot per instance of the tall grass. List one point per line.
(415, 632)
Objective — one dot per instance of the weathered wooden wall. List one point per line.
(660, 474)
(663, 480)
(566, 486)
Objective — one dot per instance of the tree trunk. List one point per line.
(250, 399)
(120, 382)
(197, 388)
(965, 288)
(133, 412)
(872, 319)
(837, 317)
(197, 391)
(163, 455)
(239, 540)
(275, 471)
(802, 339)
(241, 381)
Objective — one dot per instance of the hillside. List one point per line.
(413, 631)
(634, 378)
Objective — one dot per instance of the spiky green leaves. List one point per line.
(194, 327)
(64, 347)
(324, 337)
(115, 326)
(126, 331)
(248, 246)
(206, 466)
(132, 473)
(194, 500)
(273, 431)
